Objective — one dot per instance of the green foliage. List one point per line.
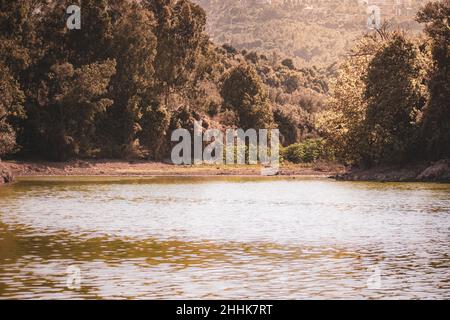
(288, 126)
(116, 86)
(308, 151)
(88, 91)
(244, 150)
(382, 108)
(7, 138)
(11, 109)
(252, 57)
(396, 95)
(376, 110)
(15, 30)
(213, 108)
(185, 118)
(162, 57)
(294, 123)
(436, 118)
(180, 31)
(133, 47)
(155, 123)
(17, 33)
(288, 63)
(243, 91)
(342, 123)
(69, 103)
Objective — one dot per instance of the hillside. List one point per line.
(313, 32)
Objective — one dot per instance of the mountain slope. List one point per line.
(313, 32)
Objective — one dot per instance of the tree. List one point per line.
(155, 123)
(436, 118)
(396, 94)
(113, 30)
(180, 32)
(11, 100)
(243, 91)
(134, 48)
(289, 63)
(291, 81)
(343, 123)
(94, 41)
(69, 101)
(17, 35)
(377, 101)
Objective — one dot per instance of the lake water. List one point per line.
(230, 238)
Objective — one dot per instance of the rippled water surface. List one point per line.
(216, 238)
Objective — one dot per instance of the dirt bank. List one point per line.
(145, 168)
(422, 172)
(425, 172)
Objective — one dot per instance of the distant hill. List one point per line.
(312, 32)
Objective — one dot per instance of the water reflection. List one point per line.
(224, 238)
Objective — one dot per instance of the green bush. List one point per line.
(246, 150)
(308, 151)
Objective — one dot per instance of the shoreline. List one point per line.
(121, 168)
(425, 172)
(438, 171)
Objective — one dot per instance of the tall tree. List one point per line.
(180, 32)
(134, 48)
(155, 124)
(17, 37)
(436, 126)
(396, 94)
(113, 30)
(244, 92)
(11, 106)
(70, 100)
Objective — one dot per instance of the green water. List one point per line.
(210, 238)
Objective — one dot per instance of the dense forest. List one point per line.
(136, 70)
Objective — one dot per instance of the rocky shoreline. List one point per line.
(423, 172)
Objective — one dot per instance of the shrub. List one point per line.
(7, 138)
(288, 63)
(308, 151)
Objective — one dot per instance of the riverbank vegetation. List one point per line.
(131, 75)
(391, 98)
(136, 71)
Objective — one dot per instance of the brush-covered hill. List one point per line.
(314, 32)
